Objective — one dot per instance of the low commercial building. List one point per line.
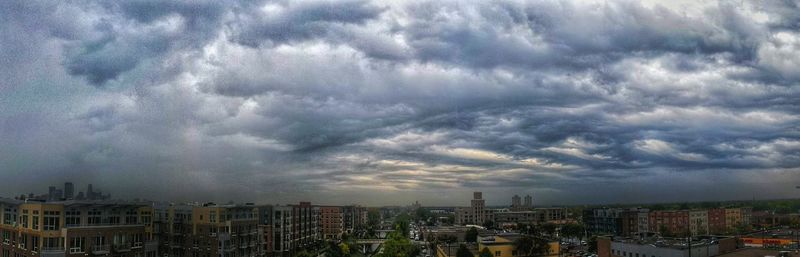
(504, 245)
(444, 233)
(664, 247)
(450, 250)
(776, 238)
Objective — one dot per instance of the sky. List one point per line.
(390, 102)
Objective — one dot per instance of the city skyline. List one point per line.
(391, 102)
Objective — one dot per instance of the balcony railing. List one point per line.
(101, 249)
(52, 249)
(102, 225)
(123, 247)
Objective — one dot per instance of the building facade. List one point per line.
(331, 222)
(72, 228)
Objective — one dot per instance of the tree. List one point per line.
(402, 223)
(345, 249)
(373, 222)
(549, 228)
(448, 239)
(572, 230)
(485, 253)
(463, 251)
(530, 246)
(398, 245)
(488, 224)
(303, 253)
(592, 244)
(333, 250)
(422, 214)
(664, 231)
(472, 235)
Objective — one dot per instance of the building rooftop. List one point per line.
(676, 243)
(760, 252)
(776, 233)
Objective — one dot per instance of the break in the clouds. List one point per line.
(384, 102)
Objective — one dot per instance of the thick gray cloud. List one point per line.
(389, 102)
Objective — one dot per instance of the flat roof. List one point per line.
(758, 252)
(775, 233)
(675, 243)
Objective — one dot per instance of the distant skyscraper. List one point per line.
(528, 201)
(51, 193)
(69, 190)
(89, 192)
(516, 202)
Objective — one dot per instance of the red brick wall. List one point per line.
(603, 247)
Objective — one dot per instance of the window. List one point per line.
(35, 220)
(34, 243)
(52, 243)
(23, 241)
(73, 218)
(8, 218)
(76, 245)
(497, 253)
(24, 218)
(6, 237)
(137, 240)
(99, 240)
(94, 217)
(52, 220)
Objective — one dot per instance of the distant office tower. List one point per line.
(69, 190)
(515, 201)
(89, 192)
(51, 193)
(475, 214)
(528, 201)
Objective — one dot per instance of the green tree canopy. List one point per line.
(485, 253)
(303, 253)
(530, 246)
(398, 245)
(471, 235)
(463, 251)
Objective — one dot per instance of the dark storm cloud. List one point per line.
(386, 102)
(281, 22)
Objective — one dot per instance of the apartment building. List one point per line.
(355, 218)
(331, 222)
(225, 230)
(76, 228)
(643, 222)
(475, 214)
(602, 221)
(306, 224)
(716, 221)
(672, 222)
(698, 222)
(288, 228)
(629, 222)
(172, 226)
(208, 230)
(733, 218)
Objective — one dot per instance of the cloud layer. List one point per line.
(388, 102)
